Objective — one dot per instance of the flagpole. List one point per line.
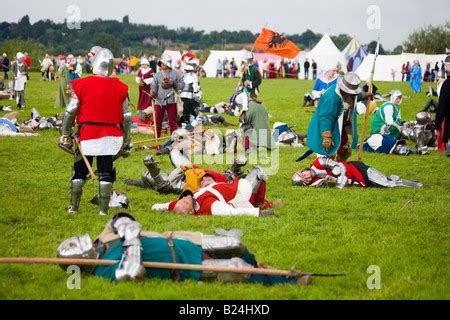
(366, 115)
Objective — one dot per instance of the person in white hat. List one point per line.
(334, 117)
(144, 79)
(19, 72)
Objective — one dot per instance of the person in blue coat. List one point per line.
(335, 117)
(416, 77)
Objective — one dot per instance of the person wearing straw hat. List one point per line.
(335, 118)
(123, 239)
(144, 79)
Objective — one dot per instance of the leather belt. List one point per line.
(174, 273)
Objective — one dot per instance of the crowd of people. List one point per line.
(100, 107)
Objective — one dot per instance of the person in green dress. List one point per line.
(64, 91)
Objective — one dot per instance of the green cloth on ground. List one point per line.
(156, 250)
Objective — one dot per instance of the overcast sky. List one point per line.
(397, 17)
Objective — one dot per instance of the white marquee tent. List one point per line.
(215, 55)
(326, 53)
(389, 67)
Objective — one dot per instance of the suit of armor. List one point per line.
(123, 239)
(100, 107)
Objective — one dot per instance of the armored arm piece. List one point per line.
(131, 265)
(126, 123)
(337, 168)
(70, 115)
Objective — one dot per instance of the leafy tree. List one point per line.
(35, 50)
(372, 46)
(341, 41)
(431, 40)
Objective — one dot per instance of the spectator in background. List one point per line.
(226, 68)
(306, 66)
(404, 72)
(4, 65)
(153, 63)
(233, 68)
(416, 77)
(45, 68)
(443, 70)
(408, 72)
(393, 72)
(436, 72)
(219, 69)
(88, 65)
(314, 67)
(75, 70)
(427, 74)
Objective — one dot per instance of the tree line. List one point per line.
(125, 37)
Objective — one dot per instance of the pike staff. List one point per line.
(366, 115)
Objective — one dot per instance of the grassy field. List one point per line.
(405, 232)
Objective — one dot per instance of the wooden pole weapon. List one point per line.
(162, 265)
(366, 115)
(86, 161)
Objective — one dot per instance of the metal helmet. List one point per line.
(191, 65)
(78, 248)
(297, 179)
(402, 149)
(423, 118)
(396, 94)
(165, 59)
(247, 58)
(287, 137)
(103, 63)
(94, 51)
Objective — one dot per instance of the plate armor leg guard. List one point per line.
(379, 179)
(226, 277)
(76, 191)
(147, 180)
(235, 170)
(405, 183)
(178, 159)
(105, 189)
(219, 246)
(131, 267)
(161, 183)
(256, 176)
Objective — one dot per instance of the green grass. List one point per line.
(405, 232)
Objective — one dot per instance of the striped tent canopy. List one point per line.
(355, 60)
(351, 48)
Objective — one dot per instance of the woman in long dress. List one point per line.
(416, 77)
(62, 99)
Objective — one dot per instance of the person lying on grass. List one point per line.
(326, 171)
(123, 240)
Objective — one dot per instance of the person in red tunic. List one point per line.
(326, 171)
(100, 107)
(222, 198)
(144, 79)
